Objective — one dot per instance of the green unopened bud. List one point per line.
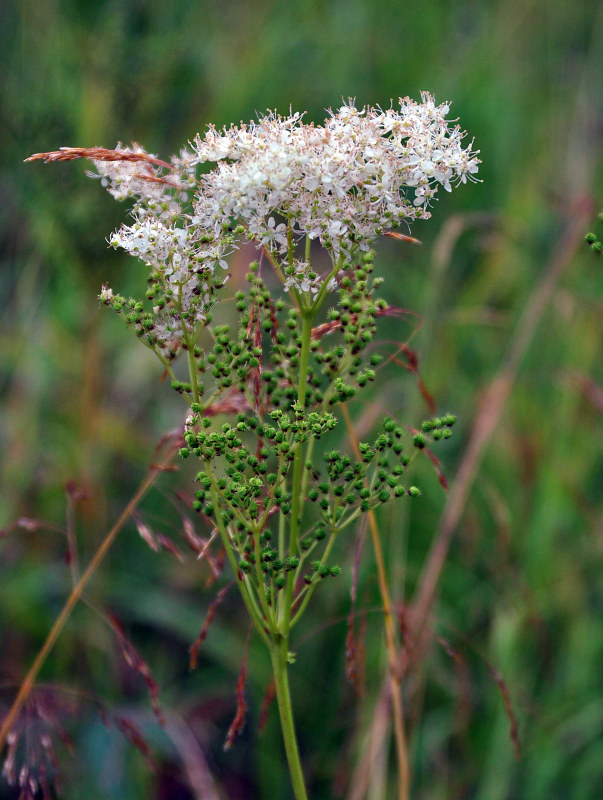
(419, 440)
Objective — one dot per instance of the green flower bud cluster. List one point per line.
(356, 486)
(173, 313)
(134, 314)
(321, 571)
(268, 347)
(246, 480)
(297, 428)
(230, 363)
(354, 318)
(248, 472)
(436, 429)
(592, 239)
(273, 570)
(261, 361)
(278, 326)
(255, 470)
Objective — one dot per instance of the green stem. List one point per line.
(309, 590)
(251, 592)
(189, 343)
(261, 589)
(298, 464)
(256, 618)
(192, 369)
(166, 364)
(279, 651)
(277, 268)
(320, 297)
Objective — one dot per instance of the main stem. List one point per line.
(298, 465)
(279, 651)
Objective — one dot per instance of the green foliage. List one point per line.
(521, 590)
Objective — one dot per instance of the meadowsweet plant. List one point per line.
(263, 393)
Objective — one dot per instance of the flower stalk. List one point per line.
(279, 653)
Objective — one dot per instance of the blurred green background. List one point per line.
(521, 592)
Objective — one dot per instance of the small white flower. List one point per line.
(106, 294)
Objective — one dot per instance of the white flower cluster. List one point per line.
(125, 179)
(277, 181)
(343, 184)
(180, 255)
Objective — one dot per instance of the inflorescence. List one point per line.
(276, 182)
(282, 184)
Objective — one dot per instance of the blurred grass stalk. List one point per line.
(392, 684)
(407, 656)
(492, 406)
(77, 593)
